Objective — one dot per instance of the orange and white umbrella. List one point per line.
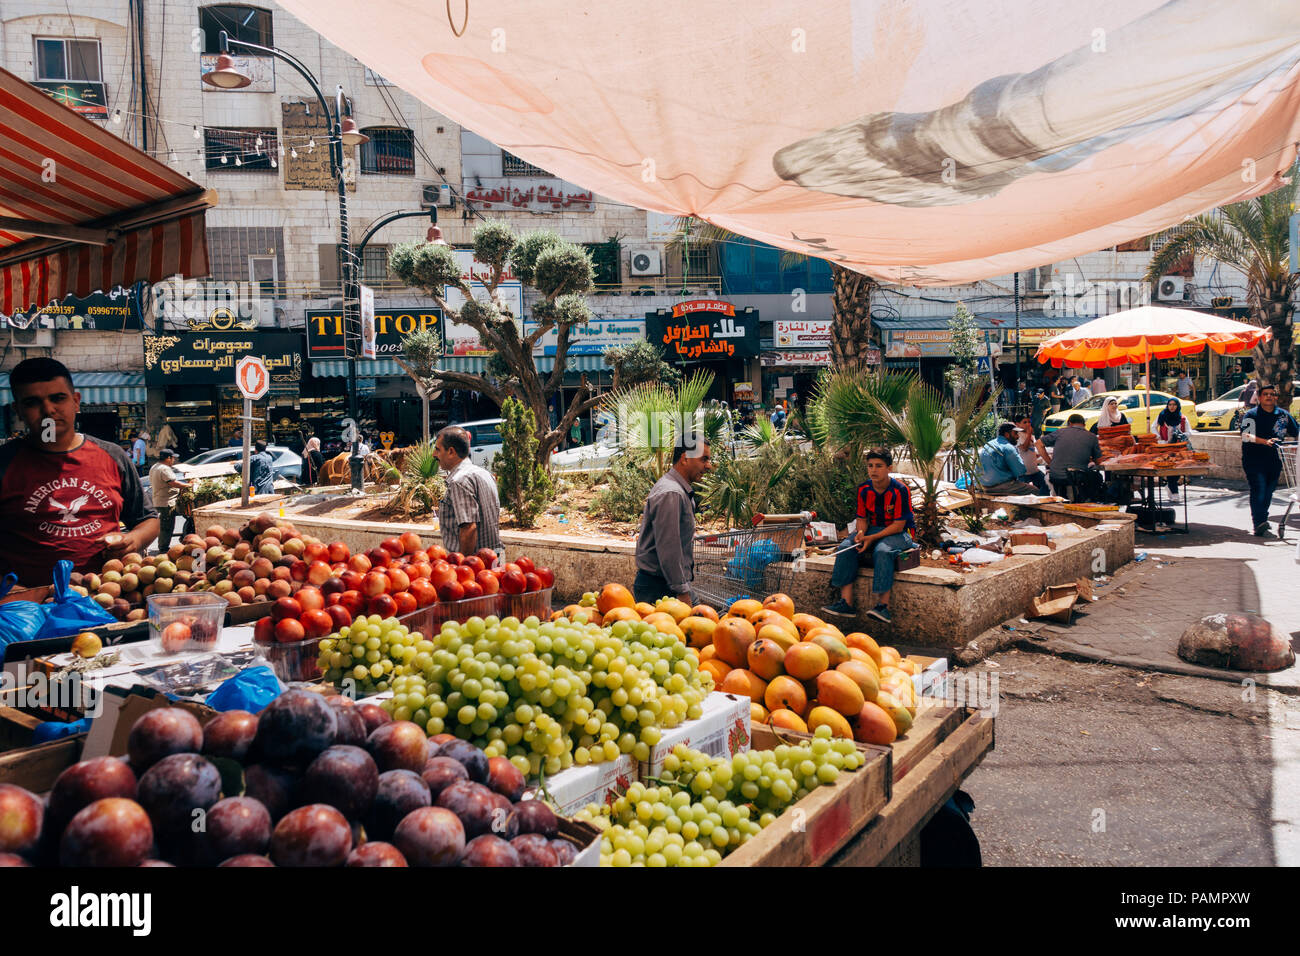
(1135, 336)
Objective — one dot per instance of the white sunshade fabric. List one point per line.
(927, 143)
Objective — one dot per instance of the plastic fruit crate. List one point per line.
(186, 621)
(429, 620)
(528, 604)
(294, 660)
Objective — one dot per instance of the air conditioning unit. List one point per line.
(436, 194)
(647, 262)
(33, 338)
(1171, 288)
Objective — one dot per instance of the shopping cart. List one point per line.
(1288, 488)
(749, 562)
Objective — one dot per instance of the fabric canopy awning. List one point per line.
(81, 210)
(97, 388)
(387, 368)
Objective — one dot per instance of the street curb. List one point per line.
(1069, 651)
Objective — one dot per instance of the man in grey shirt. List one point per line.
(1072, 447)
(470, 513)
(665, 546)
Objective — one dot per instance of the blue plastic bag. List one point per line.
(19, 620)
(251, 690)
(71, 612)
(55, 730)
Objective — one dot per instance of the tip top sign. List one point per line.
(251, 377)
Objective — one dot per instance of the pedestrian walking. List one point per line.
(885, 521)
(1264, 428)
(1098, 383)
(1057, 394)
(665, 544)
(1080, 394)
(167, 485)
(1185, 389)
(470, 512)
(140, 453)
(261, 471)
(312, 460)
(1042, 407)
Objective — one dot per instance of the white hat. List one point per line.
(144, 435)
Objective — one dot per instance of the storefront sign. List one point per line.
(743, 391)
(815, 358)
(813, 333)
(325, 338)
(307, 164)
(592, 338)
(703, 335)
(1027, 337)
(111, 312)
(81, 97)
(461, 339)
(703, 305)
(935, 343)
(209, 358)
(530, 195)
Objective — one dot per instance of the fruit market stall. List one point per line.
(662, 734)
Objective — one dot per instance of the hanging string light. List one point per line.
(238, 161)
(224, 159)
(196, 132)
(117, 117)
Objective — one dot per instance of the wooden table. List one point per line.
(1151, 492)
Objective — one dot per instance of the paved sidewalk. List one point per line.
(1143, 610)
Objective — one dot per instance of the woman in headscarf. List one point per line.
(312, 459)
(1110, 415)
(1172, 427)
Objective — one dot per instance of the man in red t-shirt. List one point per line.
(885, 519)
(62, 494)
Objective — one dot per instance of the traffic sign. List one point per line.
(251, 377)
(982, 364)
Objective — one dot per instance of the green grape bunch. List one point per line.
(547, 695)
(701, 808)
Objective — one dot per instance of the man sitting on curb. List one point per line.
(884, 520)
(1003, 470)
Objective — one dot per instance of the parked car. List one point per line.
(284, 462)
(1132, 403)
(593, 457)
(484, 440)
(1224, 413)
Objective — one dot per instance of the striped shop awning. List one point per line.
(82, 210)
(97, 388)
(576, 363)
(387, 368)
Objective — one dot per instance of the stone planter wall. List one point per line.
(932, 607)
(1225, 454)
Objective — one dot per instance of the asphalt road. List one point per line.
(1102, 765)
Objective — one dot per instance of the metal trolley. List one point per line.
(1288, 488)
(749, 562)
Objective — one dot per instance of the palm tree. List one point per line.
(902, 412)
(652, 416)
(850, 293)
(1252, 237)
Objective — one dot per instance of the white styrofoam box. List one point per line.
(721, 731)
(571, 790)
(932, 683)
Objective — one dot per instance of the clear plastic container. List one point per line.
(527, 604)
(185, 622)
(295, 660)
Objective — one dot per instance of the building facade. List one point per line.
(274, 244)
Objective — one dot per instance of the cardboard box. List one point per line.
(571, 790)
(721, 731)
(585, 837)
(931, 685)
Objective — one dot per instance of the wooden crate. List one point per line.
(16, 729)
(811, 831)
(35, 768)
(946, 746)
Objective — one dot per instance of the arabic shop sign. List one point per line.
(805, 358)
(325, 337)
(936, 343)
(698, 332)
(208, 358)
(86, 98)
(592, 338)
(807, 334)
(549, 195)
(112, 312)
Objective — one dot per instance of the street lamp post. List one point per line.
(342, 132)
(1017, 293)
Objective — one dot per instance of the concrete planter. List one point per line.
(931, 607)
(1225, 454)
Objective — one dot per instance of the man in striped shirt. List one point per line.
(470, 513)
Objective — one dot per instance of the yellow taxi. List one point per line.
(1132, 404)
(1224, 413)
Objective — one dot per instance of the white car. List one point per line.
(595, 457)
(228, 461)
(484, 440)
